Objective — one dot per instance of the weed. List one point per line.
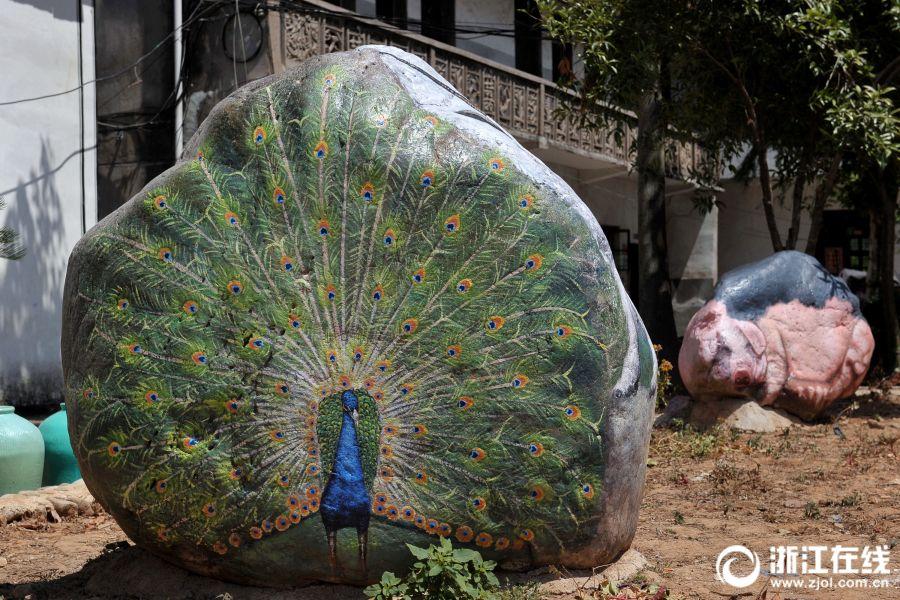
(663, 381)
(679, 518)
(442, 573)
(811, 510)
(530, 591)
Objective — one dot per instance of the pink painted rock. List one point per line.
(781, 331)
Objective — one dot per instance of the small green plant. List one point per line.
(811, 511)
(440, 573)
(530, 591)
(679, 517)
(663, 380)
(852, 500)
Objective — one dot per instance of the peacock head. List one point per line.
(350, 401)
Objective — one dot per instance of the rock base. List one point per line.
(52, 503)
(736, 413)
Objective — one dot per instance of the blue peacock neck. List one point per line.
(346, 498)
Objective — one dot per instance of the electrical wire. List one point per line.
(121, 71)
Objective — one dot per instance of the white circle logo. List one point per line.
(726, 558)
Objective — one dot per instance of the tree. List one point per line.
(789, 90)
(10, 247)
(853, 48)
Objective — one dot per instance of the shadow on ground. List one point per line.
(126, 572)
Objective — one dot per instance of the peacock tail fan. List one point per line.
(338, 228)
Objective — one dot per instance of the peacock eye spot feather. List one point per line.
(122, 304)
(166, 255)
(451, 224)
(259, 135)
(520, 381)
(534, 262)
(536, 449)
(114, 449)
(408, 326)
(464, 286)
(464, 533)
(160, 202)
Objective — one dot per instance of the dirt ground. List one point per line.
(833, 482)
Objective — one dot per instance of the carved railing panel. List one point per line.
(527, 106)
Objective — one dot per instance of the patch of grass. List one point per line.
(683, 441)
(679, 518)
(636, 591)
(528, 591)
(852, 500)
(811, 510)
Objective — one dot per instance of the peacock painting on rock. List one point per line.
(357, 313)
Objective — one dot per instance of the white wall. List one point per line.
(46, 179)
(742, 225)
(495, 14)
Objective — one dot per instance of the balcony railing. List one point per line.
(526, 105)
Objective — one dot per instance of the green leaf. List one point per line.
(420, 553)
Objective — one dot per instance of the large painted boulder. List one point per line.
(356, 314)
(781, 331)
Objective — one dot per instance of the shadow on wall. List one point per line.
(31, 288)
(67, 11)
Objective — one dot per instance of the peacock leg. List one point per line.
(363, 541)
(332, 551)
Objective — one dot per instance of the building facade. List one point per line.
(75, 148)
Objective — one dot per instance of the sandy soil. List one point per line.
(834, 482)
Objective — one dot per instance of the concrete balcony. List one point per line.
(526, 105)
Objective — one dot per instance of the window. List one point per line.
(439, 20)
(528, 37)
(562, 63)
(392, 11)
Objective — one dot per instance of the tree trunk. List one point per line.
(654, 286)
(880, 279)
(796, 209)
(765, 184)
(823, 192)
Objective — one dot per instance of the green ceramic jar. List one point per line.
(60, 464)
(21, 453)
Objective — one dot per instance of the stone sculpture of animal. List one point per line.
(781, 331)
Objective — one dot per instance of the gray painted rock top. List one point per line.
(782, 331)
(357, 314)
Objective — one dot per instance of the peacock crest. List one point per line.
(344, 311)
